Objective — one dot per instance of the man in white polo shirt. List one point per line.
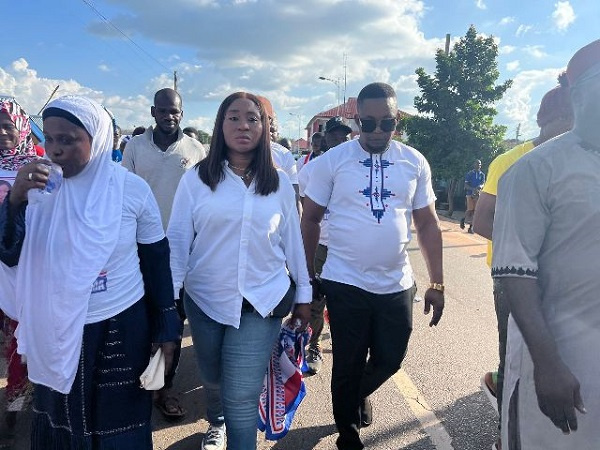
(161, 155)
(372, 187)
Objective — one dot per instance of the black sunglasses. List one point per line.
(369, 125)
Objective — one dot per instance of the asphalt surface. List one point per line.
(434, 402)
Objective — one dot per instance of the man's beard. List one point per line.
(378, 150)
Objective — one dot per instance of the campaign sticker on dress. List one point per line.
(101, 283)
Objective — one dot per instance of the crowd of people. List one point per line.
(106, 249)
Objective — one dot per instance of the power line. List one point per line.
(99, 14)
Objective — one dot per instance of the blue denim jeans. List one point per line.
(232, 364)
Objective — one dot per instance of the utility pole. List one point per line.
(175, 79)
(447, 47)
(518, 135)
(345, 60)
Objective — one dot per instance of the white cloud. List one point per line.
(535, 51)
(480, 5)
(506, 20)
(104, 68)
(563, 15)
(513, 65)
(521, 102)
(522, 30)
(282, 62)
(32, 91)
(507, 49)
(268, 59)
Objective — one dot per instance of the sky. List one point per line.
(120, 52)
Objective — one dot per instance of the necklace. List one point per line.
(247, 175)
(231, 166)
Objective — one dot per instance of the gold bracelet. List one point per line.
(437, 286)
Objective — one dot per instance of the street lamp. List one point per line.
(337, 83)
(299, 132)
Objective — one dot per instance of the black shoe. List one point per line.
(462, 223)
(471, 229)
(366, 412)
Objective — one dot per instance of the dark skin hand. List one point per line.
(168, 349)
(302, 314)
(557, 388)
(430, 242)
(39, 171)
(434, 298)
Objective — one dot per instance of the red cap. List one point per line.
(582, 60)
(556, 104)
(266, 105)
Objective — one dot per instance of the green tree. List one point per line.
(204, 137)
(456, 126)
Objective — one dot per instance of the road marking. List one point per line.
(422, 411)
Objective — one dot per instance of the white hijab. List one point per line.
(70, 236)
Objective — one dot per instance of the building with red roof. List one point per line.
(346, 110)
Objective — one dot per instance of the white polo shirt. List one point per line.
(162, 170)
(371, 198)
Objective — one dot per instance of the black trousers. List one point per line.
(363, 323)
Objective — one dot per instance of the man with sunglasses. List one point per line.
(372, 187)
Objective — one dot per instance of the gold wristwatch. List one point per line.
(437, 287)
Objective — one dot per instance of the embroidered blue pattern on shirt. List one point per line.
(376, 192)
(100, 285)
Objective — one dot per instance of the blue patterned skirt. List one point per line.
(106, 408)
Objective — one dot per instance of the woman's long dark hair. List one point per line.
(211, 171)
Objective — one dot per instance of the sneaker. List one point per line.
(214, 439)
(462, 223)
(471, 229)
(489, 386)
(366, 412)
(314, 360)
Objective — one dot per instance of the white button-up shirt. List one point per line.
(232, 244)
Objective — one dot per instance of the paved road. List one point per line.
(434, 402)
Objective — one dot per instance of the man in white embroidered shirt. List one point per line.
(372, 186)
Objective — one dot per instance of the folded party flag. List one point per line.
(283, 387)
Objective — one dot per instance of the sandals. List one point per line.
(169, 407)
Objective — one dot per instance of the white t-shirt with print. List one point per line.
(371, 198)
(120, 284)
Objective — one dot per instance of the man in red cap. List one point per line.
(554, 117)
(545, 262)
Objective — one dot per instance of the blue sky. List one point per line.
(277, 49)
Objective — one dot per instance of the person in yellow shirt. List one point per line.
(554, 117)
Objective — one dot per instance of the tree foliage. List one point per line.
(204, 137)
(456, 122)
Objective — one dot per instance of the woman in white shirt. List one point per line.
(233, 230)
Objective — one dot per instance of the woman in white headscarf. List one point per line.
(87, 329)
(16, 150)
